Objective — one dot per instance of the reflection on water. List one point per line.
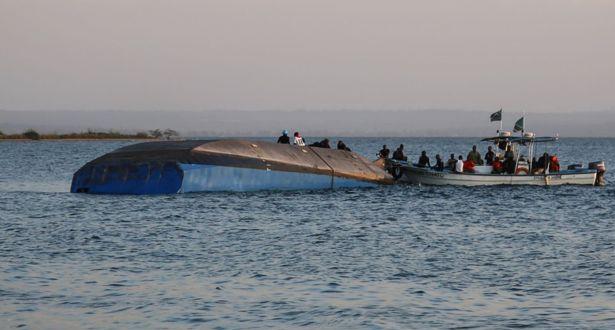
(388, 257)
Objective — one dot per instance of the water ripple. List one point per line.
(387, 257)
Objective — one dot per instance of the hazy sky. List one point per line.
(307, 54)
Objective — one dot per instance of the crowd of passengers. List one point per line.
(500, 165)
(298, 140)
(505, 164)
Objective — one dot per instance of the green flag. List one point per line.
(519, 125)
(496, 116)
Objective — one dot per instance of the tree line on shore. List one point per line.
(31, 134)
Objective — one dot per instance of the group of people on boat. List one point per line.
(298, 140)
(398, 154)
(500, 164)
(473, 159)
(545, 161)
(505, 164)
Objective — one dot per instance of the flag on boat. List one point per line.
(519, 125)
(496, 116)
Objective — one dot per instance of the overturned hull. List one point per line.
(168, 167)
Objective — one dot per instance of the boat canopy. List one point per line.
(521, 139)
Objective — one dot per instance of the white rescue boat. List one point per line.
(523, 172)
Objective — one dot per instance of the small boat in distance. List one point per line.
(523, 172)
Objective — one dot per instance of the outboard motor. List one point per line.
(394, 168)
(601, 168)
(575, 166)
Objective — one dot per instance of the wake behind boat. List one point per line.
(519, 170)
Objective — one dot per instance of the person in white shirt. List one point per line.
(459, 165)
(299, 140)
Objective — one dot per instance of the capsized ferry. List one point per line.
(524, 172)
(171, 167)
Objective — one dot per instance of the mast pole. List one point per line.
(531, 156)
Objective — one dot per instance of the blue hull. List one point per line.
(199, 177)
(128, 179)
(184, 178)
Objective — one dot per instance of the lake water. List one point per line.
(393, 257)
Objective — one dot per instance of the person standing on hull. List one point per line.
(424, 160)
(474, 156)
(489, 156)
(399, 154)
(298, 140)
(459, 165)
(322, 144)
(342, 146)
(384, 152)
(284, 138)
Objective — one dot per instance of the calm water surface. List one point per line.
(391, 257)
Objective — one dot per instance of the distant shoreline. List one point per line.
(77, 139)
(32, 135)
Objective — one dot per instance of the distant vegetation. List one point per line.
(31, 134)
(167, 134)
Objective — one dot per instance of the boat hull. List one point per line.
(225, 165)
(198, 178)
(416, 175)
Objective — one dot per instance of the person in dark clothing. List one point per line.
(399, 154)
(450, 164)
(384, 152)
(489, 156)
(509, 160)
(424, 160)
(284, 138)
(439, 164)
(509, 154)
(321, 144)
(543, 161)
(342, 146)
(474, 156)
(534, 165)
